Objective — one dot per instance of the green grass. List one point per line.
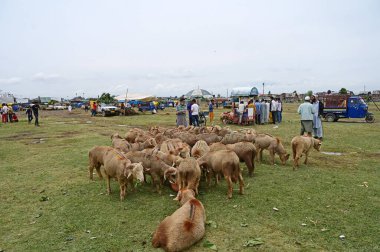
(328, 195)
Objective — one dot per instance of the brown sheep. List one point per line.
(169, 159)
(176, 147)
(186, 137)
(246, 152)
(303, 145)
(184, 227)
(116, 165)
(124, 146)
(199, 149)
(273, 145)
(131, 135)
(225, 162)
(236, 137)
(96, 159)
(153, 166)
(187, 174)
(209, 138)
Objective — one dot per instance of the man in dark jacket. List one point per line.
(35, 108)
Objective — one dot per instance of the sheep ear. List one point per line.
(130, 174)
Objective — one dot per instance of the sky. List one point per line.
(168, 47)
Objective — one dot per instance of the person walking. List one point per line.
(93, 109)
(306, 111)
(317, 122)
(195, 113)
(181, 112)
(211, 112)
(35, 108)
(29, 114)
(4, 113)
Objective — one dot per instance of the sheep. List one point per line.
(116, 165)
(236, 137)
(199, 149)
(131, 135)
(209, 138)
(246, 152)
(184, 227)
(303, 144)
(187, 174)
(153, 166)
(273, 144)
(225, 162)
(124, 146)
(96, 159)
(176, 147)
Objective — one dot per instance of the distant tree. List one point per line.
(269, 93)
(106, 98)
(329, 91)
(309, 93)
(218, 95)
(52, 102)
(343, 91)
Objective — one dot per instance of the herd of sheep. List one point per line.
(184, 155)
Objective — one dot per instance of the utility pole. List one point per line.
(263, 88)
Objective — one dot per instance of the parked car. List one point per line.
(149, 106)
(59, 106)
(108, 109)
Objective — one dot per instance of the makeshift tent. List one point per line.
(130, 97)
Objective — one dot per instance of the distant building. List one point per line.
(7, 98)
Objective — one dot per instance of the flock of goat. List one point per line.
(182, 155)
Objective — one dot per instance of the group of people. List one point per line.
(311, 112)
(7, 114)
(264, 111)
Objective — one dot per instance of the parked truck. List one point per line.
(345, 106)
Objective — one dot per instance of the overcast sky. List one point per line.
(60, 48)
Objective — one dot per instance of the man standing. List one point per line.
(30, 114)
(195, 113)
(35, 108)
(4, 113)
(189, 111)
(211, 111)
(258, 112)
(93, 109)
(241, 111)
(273, 109)
(279, 111)
(317, 122)
(181, 113)
(306, 111)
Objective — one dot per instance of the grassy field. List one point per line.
(47, 202)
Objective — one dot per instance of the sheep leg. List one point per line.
(108, 184)
(306, 155)
(122, 190)
(248, 163)
(229, 183)
(90, 171)
(98, 172)
(272, 154)
(241, 184)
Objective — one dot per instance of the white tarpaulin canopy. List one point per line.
(135, 96)
(244, 91)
